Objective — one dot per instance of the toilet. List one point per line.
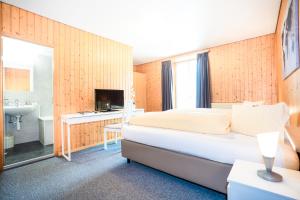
(9, 141)
(46, 130)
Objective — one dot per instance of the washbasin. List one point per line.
(19, 110)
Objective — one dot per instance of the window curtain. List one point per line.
(203, 99)
(167, 85)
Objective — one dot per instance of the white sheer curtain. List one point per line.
(186, 84)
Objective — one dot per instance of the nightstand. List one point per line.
(243, 183)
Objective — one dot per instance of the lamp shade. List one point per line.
(268, 143)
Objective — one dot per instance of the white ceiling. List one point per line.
(160, 28)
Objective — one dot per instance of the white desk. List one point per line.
(78, 118)
(245, 184)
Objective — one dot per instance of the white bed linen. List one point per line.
(220, 148)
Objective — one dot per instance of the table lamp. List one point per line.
(268, 147)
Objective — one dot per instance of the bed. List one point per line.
(205, 159)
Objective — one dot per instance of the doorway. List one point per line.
(27, 102)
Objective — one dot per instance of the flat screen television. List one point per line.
(109, 100)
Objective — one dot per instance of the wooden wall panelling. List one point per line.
(56, 81)
(243, 70)
(6, 14)
(245, 62)
(38, 28)
(30, 26)
(15, 24)
(60, 44)
(113, 65)
(82, 62)
(153, 84)
(140, 88)
(23, 23)
(90, 91)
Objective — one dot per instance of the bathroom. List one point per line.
(28, 101)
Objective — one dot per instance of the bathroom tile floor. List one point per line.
(26, 151)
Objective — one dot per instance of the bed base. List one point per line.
(198, 170)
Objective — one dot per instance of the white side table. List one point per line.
(78, 118)
(243, 183)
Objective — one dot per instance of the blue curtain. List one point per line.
(166, 85)
(203, 99)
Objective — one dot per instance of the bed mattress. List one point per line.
(221, 148)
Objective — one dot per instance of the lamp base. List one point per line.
(269, 176)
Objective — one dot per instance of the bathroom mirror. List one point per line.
(18, 79)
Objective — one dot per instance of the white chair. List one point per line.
(117, 128)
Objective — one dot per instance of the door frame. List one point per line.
(2, 114)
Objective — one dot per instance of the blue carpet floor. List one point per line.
(96, 174)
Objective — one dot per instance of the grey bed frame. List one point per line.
(204, 172)
(198, 170)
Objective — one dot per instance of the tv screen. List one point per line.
(109, 100)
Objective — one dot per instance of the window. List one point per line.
(186, 84)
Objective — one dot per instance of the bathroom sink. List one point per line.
(19, 110)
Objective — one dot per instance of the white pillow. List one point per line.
(197, 122)
(259, 119)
